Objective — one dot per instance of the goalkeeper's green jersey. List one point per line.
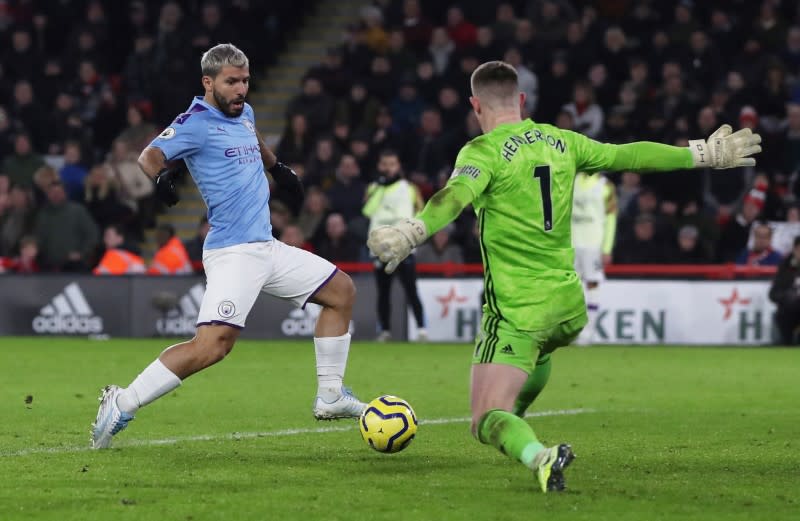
(522, 176)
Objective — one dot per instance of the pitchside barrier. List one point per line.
(721, 304)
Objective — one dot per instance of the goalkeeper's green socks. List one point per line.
(533, 385)
(511, 435)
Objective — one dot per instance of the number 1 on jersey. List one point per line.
(542, 173)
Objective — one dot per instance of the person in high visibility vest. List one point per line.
(171, 257)
(391, 199)
(118, 258)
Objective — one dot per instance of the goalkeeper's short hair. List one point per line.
(495, 80)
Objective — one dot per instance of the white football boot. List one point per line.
(346, 405)
(110, 419)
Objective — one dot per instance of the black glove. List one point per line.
(289, 184)
(165, 185)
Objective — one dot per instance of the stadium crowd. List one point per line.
(615, 70)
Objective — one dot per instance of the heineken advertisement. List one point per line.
(631, 311)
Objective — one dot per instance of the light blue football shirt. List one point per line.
(224, 158)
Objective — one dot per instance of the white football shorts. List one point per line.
(589, 264)
(235, 275)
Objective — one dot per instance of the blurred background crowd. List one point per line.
(87, 87)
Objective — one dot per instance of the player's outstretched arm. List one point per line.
(392, 244)
(723, 149)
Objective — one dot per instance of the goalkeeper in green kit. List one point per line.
(519, 176)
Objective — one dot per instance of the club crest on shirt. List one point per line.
(249, 124)
(168, 133)
(226, 309)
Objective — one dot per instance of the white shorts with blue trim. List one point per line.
(235, 275)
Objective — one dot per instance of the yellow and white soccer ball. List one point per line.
(388, 424)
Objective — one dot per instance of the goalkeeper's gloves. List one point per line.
(725, 149)
(287, 179)
(165, 184)
(392, 244)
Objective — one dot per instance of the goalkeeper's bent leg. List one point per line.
(510, 435)
(533, 385)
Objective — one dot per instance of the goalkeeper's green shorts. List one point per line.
(500, 343)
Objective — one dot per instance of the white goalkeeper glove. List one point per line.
(392, 244)
(725, 149)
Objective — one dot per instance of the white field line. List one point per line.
(268, 434)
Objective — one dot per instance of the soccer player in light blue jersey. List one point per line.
(217, 140)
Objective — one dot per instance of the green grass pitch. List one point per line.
(660, 433)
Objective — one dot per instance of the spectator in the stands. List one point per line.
(688, 248)
(785, 293)
(406, 107)
(641, 247)
(336, 244)
(17, 220)
(486, 48)
(119, 256)
(135, 189)
(312, 216)
(416, 27)
(23, 162)
(293, 236)
(101, 197)
(194, 246)
(440, 50)
(171, 257)
(321, 168)
(430, 151)
(401, 59)
(528, 82)
(315, 104)
(761, 253)
(375, 36)
(332, 74)
(280, 217)
(736, 232)
(382, 79)
(139, 132)
(296, 142)
(26, 261)
(555, 88)
(791, 141)
(346, 195)
(65, 232)
(505, 22)
(463, 33)
(439, 249)
(212, 28)
(31, 113)
(139, 72)
(587, 114)
(74, 171)
(359, 109)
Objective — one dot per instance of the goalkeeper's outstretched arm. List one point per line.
(723, 149)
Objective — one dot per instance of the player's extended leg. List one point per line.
(210, 344)
(407, 270)
(502, 363)
(332, 344)
(494, 389)
(533, 385)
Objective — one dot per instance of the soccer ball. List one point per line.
(388, 424)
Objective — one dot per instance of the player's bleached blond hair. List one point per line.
(221, 55)
(495, 82)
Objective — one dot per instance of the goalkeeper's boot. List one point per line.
(346, 405)
(550, 467)
(110, 419)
